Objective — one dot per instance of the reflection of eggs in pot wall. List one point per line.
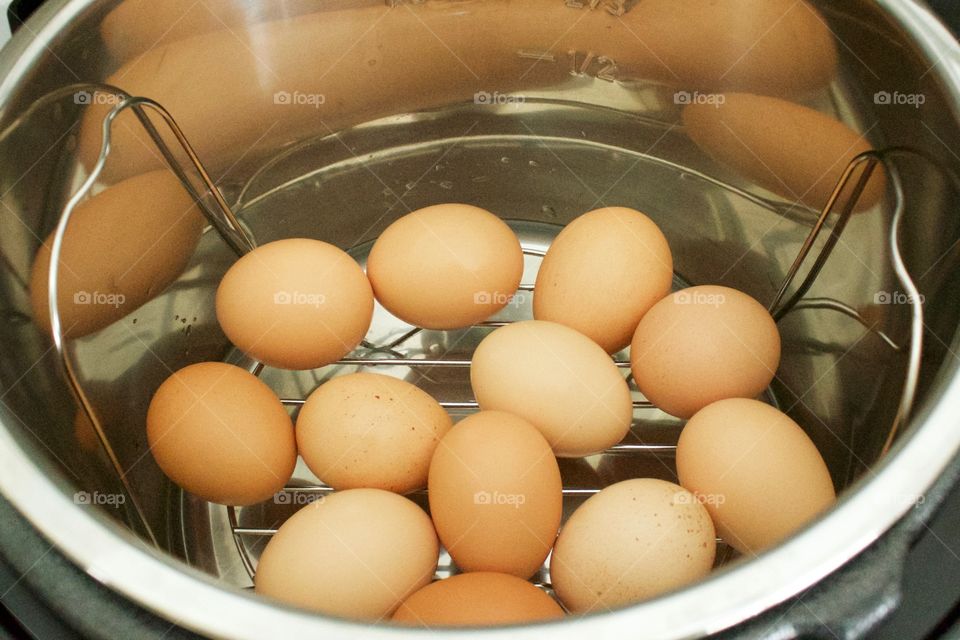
(122, 247)
(787, 148)
(773, 47)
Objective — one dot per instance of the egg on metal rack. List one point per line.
(704, 344)
(355, 554)
(220, 433)
(631, 541)
(295, 304)
(764, 471)
(495, 494)
(370, 430)
(556, 379)
(602, 273)
(446, 267)
(477, 599)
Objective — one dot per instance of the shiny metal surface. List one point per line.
(538, 164)
(220, 216)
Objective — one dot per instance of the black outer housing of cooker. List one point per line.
(52, 598)
(45, 596)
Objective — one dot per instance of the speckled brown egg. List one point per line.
(634, 540)
(704, 344)
(220, 433)
(370, 430)
(477, 599)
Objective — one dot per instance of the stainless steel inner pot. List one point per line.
(568, 132)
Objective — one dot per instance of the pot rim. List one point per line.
(115, 557)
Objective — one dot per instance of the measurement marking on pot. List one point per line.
(613, 7)
(580, 63)
(540, 56)
(590, 64)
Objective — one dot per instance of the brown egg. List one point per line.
(123, 247)
(704, 344)
(757, 471)
(557, 380)
(495, 494)
(446, 267)
(479, 599)
(634, 540)
(370, 430)
(602, 273)
(776, 47)
(354, 554)
(295, 304)
(220, 433)
(791, 150)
